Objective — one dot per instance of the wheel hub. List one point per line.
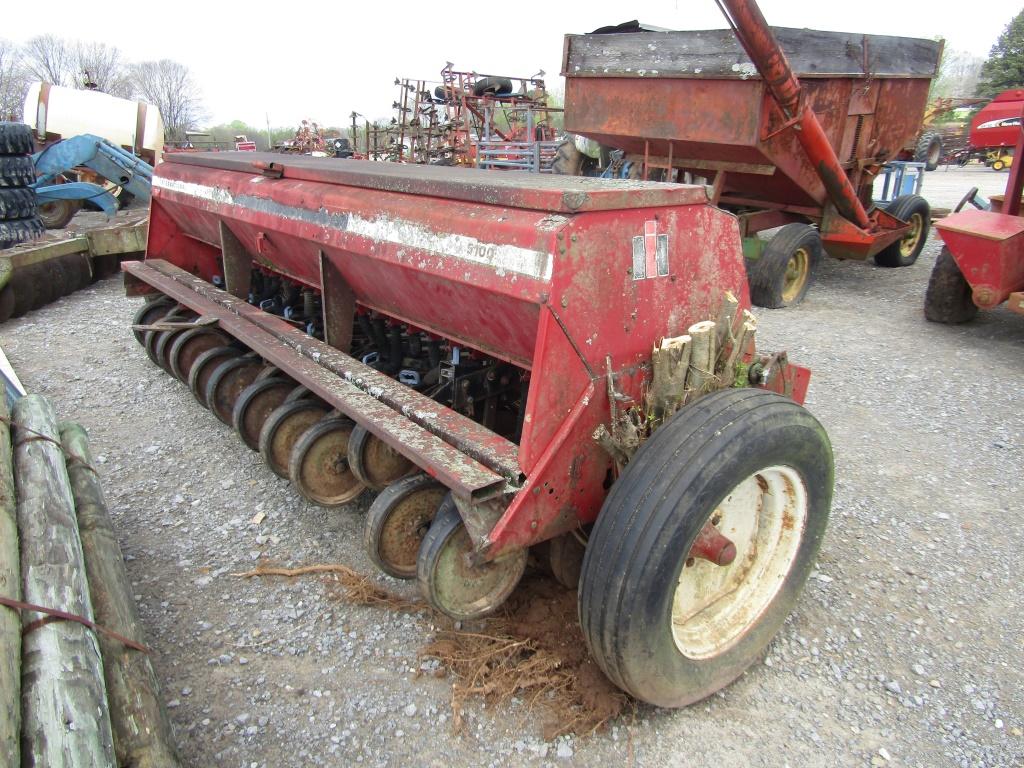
(721, 594)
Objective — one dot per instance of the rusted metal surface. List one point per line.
(553, 194)
(495, 265)
(455, 469)
(712, 546)
(806, 139)
(989, 249)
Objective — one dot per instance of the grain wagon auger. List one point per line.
(515, 362)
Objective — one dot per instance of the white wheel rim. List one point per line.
(714, 606)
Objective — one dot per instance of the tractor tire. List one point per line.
(16, 171)
(929, 150)
(14, 231)
(569, 161)
(948, 298)
(17, 203)
(669, 628)
(903, 253)
(55, 214)
(16, 139)
(786, 269)
(492, 86)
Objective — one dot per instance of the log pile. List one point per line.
(77, 685)
(711, 355)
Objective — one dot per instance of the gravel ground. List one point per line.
(905, 648)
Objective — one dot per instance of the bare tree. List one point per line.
(102, 67)
(959, 74)
(13, 82)
(50, 59)
(169, 85)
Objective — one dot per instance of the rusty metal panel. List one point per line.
(314, 364)
(989, 249)
(514, 189)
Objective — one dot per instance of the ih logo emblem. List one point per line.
(650, 253)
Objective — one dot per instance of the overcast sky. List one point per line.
(324, 60)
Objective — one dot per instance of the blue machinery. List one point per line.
(117, 166)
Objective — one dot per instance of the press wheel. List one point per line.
(203, 368)
(165, 341)
(189, 345)
(152, 338)
(450, 582)
(319, 467)
(227, 382)
(283, 428)
(397, 522)
(374, 462)
(149, 313)
(255, 404)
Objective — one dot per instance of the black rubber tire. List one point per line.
(448, 531)
(6, 303)
(379, 517)
(62, 277)
(278, 456)
(569, 161)
(494, 86)
(254, 406)
(56, 214)
(929, 150)
(25, 283)
(906, 207)
(949, 297)
(651, 517)
(767, 274)
(16, 171)
(16, 139)
(565, 559)
(17, 203)
(150, 312)
(15, 231)
(204, 367)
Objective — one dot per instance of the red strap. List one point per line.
(52, 614)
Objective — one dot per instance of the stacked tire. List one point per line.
(31, 285)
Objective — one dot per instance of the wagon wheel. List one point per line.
(373, 461)
(149, 313)
(914, 210)
(702, 546)
(189, 345)
(318, 465)
(203, 368)
(283, 428)
(254, 406)
(398, 520)
(227, 382)
(785, 270)
(998, 165)
(949, 298)
(56, 214)
(450, 582)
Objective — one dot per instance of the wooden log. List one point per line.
(670, 361)
(142, 731)
(701, 376)
(726, 320)
(65, 721)
(10, 587)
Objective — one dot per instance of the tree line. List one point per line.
(165, 83)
